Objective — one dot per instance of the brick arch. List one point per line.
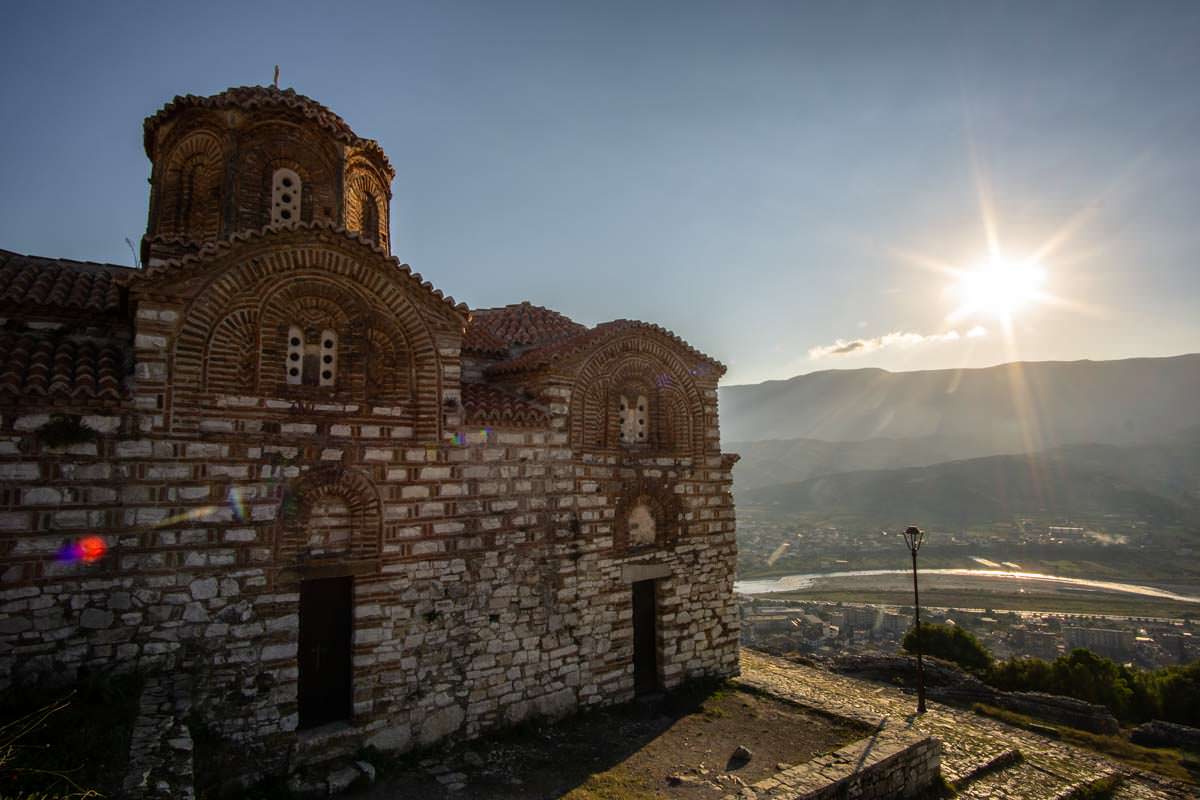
(232, 351)
(366, 203)
(389, 365)
(330, 513)
(677, 409)
(385, 323)
(276, 144)
(665, 507)
(188, 194)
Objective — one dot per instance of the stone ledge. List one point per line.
(890, 763)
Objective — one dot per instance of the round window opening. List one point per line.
(328, 344)
(295, 342)
(293, 372)
(326, 374)
(287, 182)
(285, 214)
(294, 357)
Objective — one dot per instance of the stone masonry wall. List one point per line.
(492, 584)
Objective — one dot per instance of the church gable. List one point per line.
(304, 314)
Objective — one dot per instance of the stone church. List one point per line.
(349, 509)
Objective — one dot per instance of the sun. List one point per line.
(998, 288)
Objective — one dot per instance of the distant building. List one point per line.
(1103, 641)
(862, 618)
(895, 623)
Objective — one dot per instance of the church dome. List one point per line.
(254, 156)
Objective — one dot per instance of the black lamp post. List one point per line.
(913, 537)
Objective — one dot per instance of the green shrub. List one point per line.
(1133, 695)
(951, 643)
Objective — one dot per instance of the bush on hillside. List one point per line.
(951, 643)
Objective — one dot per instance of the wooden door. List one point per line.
(326, 614)
(645, 638)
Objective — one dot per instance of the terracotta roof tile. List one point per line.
(544, 356)
(487, 405)
(252, 97)
(478, 339)
(36, 365)
(60, 284)
(517, 325)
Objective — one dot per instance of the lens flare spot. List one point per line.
(237, 503)
(89, 550)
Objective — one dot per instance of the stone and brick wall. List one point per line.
(484, 524)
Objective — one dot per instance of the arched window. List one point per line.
(311, 363)
(285, 197)
(328, 353)
(370, 218)
(295, 356)
(193, 186)
(634, 418)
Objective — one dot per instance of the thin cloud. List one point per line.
(902, 339)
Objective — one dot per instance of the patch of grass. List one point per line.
(941, 789)
(67, 742)
(615, 784)
(1100, 789)
(1164, 761)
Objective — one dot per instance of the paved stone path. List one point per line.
(982, 758)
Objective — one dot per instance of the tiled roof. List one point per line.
(252, 97)
(50, 366)
(487, 405)
(520, 325)
(60, 284)
(478, 339)
(546, 355)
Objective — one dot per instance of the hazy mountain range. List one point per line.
(1009, 408)
(967, 446)
(1150, 482)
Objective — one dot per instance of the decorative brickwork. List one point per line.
(366, 201)
(217, 160)
(658, 500)
(266, 410)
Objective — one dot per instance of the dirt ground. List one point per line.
(669, 747)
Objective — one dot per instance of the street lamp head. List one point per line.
(913, 537)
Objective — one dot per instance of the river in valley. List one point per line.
(808, 581)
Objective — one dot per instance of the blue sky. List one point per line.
(767, 179)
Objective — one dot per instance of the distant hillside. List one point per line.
(771, 462)
(1154, 482)
(1020, 407)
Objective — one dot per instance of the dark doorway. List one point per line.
(645, 638)
(325, 628)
